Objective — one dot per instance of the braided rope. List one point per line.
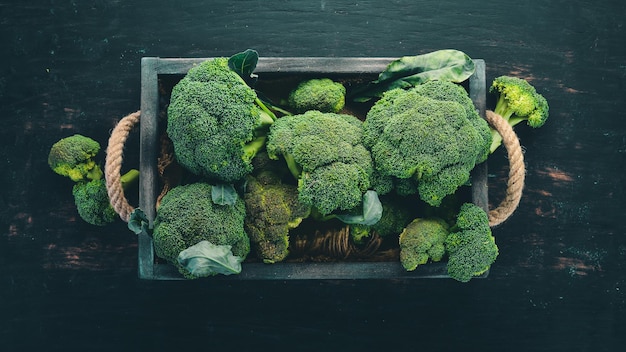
(113, 165)
(517, 170)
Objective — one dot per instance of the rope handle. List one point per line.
(515, 184)
(113, 165)
(517, 169)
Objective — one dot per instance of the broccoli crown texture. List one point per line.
(92, 202)
(272, 210)
(518, 100)
(73, 157)
(429, 140)
(421, 240)
(449, 91)
(325, 153)
(321, 94)
(213, 122)
(470, 246)
(187, 215)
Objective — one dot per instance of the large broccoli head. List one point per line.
(273, 209)
(471, 247)
(431, 141)
(187, 216)
(325, 152)
(214, 123)
(73, 157)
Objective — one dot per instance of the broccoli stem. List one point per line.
(265, 109)
(129, 178)
(502, 109)
(293, 166)
(252, 148)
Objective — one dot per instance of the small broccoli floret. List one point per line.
(187, 216)
(324, 151)
(216, 122)
(470, 246)
(74, 157)
(92, 200)
(422, 240)
(431, 141)
(272, 210)
(318, 94)
(517, 101)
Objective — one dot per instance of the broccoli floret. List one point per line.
(422, 240)
(324, 152)
(517, 101)
(187, 216)
(74, 157)
(272, 210)
(216, 122)
(448, 91)
(431, 141)
(470, 246)
(321, 94)
(92, 200)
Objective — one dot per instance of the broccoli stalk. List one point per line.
(517, 101)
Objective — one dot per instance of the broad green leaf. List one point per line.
(244, 63)
(138, 222)
(207, 259)
(224, 194)
(372, 211)
(409, 71)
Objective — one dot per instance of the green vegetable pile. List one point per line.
(258, 173)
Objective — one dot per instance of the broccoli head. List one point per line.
(92, 202)
(431, 141)
(470, 246)
(517, 101)
(422, 240)
(187, 216)
(216, 122)
(324, 151)
(272, 210)
(321, 94)
(73, 157)
(448, 91)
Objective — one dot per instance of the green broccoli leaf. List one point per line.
(206, 259)
(224, 194)
(244, 63)
(409, 71)
(138, 222)
(372, 211)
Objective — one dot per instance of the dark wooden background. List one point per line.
(558, 285)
